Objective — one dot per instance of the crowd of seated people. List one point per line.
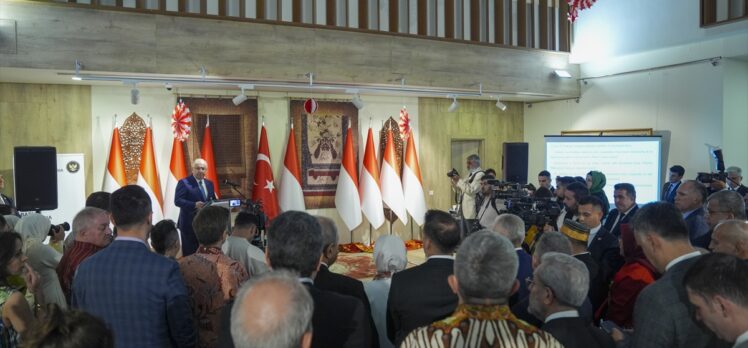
(670, 273)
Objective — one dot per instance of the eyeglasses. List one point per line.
(529, 282)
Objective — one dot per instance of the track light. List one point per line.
(500, 105)
(77, 76)
(242, 96)
(562, 74)
(134, 94)
(454, 105)
(357, 102)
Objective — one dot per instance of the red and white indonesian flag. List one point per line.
(347, 200)
(392, 189)
(115, 177)
(263, 189)
(177, 171)
(291, 197)
(148, 176)
(415, 202)
(368, 187)
(206, 151)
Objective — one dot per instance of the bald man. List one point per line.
(731, 237)
(281, 319)
(192, 193)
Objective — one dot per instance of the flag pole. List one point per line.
(370, 234)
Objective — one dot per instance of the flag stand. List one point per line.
(370, 234)
(411, 230)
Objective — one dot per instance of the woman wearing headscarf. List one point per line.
(42, 258)
(596, 183)
(12, 221)
(630, 280)
(389, 256)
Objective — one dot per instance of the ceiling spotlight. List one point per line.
(241, 97)
(500, 105)
(134, 95)
(77, 76)
(357, 102)
(562, 74)
(454, 105)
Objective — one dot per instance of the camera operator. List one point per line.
(734, 180)
(544, 180)
(468, 187)
(489, 209)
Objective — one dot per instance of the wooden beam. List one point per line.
(474, 21)
(203, 7)
(394, 19)
(522, 23)
(242, 8)
(331, 12)
(296, 10)
(363, 14)
(423, 17)
(564, 28)
(708, 12)
(449, 19)
(261, 9)
(221, 8)
(118, 3)
(543, 28)
(499, 21)
(161, 4)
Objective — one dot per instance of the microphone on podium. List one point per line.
(227, 182)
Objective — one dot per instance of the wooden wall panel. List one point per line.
(522, 23)
(449, 19)
(45, 115)
(564, 28)
(474, 119)
(543, 28)
(394, 15)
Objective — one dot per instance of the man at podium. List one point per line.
(192, 193)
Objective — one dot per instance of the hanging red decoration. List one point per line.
(181, 121)
(577, 5)
(310, 106)
(404, 123)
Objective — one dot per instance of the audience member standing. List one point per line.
(139, 294)
(17, 316)
(238, 247)
(717, 286)
(286, 313)
(573, 193)
(513, 228)
(661, 315)
(165, 239)
(689, 200)
(92, 233)
(390, 256)
(544, 180)
(69, 329)
(720, 206)
(624, 198)
(484, 278)
(5, 200)
(735, 180)
(731, 237)
(596, 183)
(559, 287)
(330, 281)
(421, 295)
(191, 194)
(42, 258)
(636, 273)
(674, 181)
(212, 278)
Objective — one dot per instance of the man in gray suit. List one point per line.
(661, 314)
(717, 287)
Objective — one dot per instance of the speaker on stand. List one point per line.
(35, 178)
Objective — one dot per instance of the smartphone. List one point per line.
(608, 326)
(235, 202)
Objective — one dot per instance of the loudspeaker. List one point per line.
(35, 177)
(514, 162)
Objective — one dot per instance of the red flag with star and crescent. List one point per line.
(263, 190)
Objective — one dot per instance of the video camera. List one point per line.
(53, 229)
(533, 211)
(507, 190)
(720, 175)
(253, 208)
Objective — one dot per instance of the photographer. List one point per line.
(468, 187)
(489, 209)
(734, 180)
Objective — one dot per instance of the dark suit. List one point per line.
(575, 333)
(604, 249)
(139, 294)
(742, 190)
(613, 215)
(664, 196)
(697, 228)
(11, 206)
(523, 272)
(188, 193)
(419, 296)
(338, 283)
(338, 321)
(598, 289)
(520, 310)
(663, 315)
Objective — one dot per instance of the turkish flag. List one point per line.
(263, 190)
